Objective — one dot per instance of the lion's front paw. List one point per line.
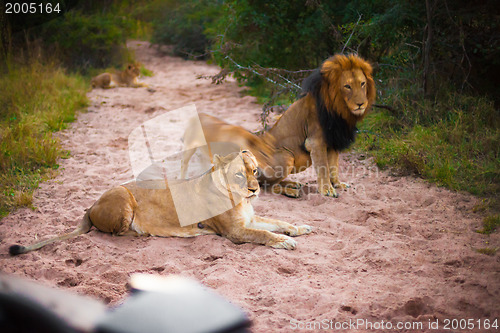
(283, 242)
(297, 231)
(287, 191)
(288, 188)
(304, 229)
(328, 190)
(343, 186)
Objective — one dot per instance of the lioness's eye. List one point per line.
(240, 175)
(347, 86)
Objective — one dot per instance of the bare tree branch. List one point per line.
(352, 33)
(427, 48)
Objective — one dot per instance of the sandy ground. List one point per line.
(388, 249)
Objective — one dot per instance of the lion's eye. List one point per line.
(255, 171)
(363, 84)
(347, 86)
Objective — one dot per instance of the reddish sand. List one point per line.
(390, 248)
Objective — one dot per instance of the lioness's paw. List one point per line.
(304, 229)
(291, 192)
(294, 185)
(328, 190)
(343, 186)
(284, 242)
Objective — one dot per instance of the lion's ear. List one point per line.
(129, 66)
(332, 67)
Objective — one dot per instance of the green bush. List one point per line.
(85, 41)
(183, 24)
(285, 34)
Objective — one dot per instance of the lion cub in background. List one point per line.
(126, 78)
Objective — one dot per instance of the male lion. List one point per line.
(314, 129)
(147, 208)
(126, 78)
(322, 123)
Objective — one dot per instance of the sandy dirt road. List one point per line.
(390, 248)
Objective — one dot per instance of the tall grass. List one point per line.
(35, 101)
(453, 140)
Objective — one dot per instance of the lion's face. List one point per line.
(353, 88)
(348, 87)
(133, 71)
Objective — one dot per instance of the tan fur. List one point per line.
(216, 130)
(148, 209)
(348, 89)
(126, 78)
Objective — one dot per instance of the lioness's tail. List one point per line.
(82, 228)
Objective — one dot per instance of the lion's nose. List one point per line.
(360, 105)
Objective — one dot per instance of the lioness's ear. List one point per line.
(246, 152)
(217, 159)
(250, 155)
(129, 66)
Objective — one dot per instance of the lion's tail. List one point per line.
(84, 227)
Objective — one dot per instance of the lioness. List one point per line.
(148, 209)
(126, 78)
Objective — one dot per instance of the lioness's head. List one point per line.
(348, 86)
(238, 171)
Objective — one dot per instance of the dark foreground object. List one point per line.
(156, 304)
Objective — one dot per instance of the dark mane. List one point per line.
(337, 133)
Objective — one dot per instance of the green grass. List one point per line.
(488, 251)
(38, 100)
(454, 141)
(490, 224)
(145, 72)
